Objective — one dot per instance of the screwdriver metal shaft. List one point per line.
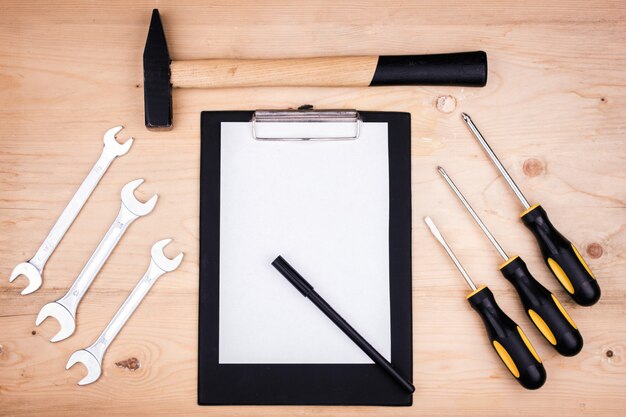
(495, 160)
(439, 237)
(473, 213)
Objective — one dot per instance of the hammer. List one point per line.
(161, 73)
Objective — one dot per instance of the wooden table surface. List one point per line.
(554, 110)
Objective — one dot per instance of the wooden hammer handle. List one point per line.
(468, 68)
(296, 72)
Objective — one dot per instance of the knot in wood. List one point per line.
(533, 167)
(131, 364)
(594, 250)
(445, 104)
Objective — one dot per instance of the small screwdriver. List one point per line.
(560, 254)
(507, 338)
(541, 306)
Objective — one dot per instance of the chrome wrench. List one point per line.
(33, 269)
(92, 356)
(64, 309)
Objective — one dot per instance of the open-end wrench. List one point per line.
(33, 269)
(92, 356)
(64, 309)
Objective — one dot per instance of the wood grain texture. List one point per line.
(553, 109)
(349, 71)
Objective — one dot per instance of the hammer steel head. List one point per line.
(62, 315)
(131, 203)
(29, 271)
(159, 258)
(94, 367)
(118, 149)
(157, 89)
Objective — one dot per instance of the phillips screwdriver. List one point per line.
(541, 306)
(507, 338)
(560, 254)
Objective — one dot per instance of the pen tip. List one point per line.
(465, 117)
(441, 170)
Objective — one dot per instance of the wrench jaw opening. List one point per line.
(112, 145)
(159, 258)
(88, 359)
(29, 271)
(132, 204)
(62, 315)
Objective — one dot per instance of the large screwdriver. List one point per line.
(541, 306)
(560, 254)
(506, 337)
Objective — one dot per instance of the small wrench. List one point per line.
(33, 269)
(92, 356)
(64, 309)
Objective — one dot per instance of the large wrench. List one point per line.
(92, 356)
(64, 309)
(33, 269)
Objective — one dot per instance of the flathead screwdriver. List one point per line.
(541, 306)
(560, 255)
(506, 337)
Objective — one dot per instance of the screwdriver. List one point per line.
(560, 254)
(506, 337)
(541, 306)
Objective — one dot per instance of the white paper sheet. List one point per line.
(323, 206)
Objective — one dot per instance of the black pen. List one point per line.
(307, 290)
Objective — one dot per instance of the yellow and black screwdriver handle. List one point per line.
(543, 308)
(562, 258)
(508, 340)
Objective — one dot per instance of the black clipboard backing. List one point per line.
(305, 384)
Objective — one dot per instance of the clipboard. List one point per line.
(332, 191)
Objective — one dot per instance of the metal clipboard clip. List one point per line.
(294, 125)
